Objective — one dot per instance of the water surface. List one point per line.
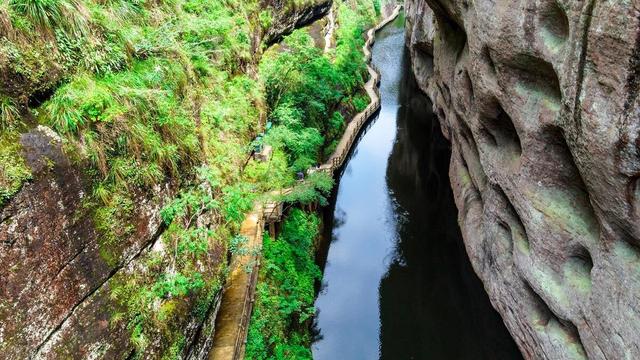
(397, 281)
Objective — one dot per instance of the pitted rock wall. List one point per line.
(539, 99)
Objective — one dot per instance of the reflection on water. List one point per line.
(397, 282)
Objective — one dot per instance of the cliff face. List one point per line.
(56, 277)
(291, 17)
(539, 99)
(58, 271)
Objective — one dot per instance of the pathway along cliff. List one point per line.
(397, 281)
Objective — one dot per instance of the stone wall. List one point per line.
(539, 99)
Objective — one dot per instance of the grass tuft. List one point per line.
(6, 27)
(9, 113)
(48, 15)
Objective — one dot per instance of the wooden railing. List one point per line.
(336, 160)
(248, 302)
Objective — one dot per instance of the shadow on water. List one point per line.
(397, 280)
(432, 305)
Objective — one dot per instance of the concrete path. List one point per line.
(237, 300)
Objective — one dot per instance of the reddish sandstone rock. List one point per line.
(540, 101)
(52, 258)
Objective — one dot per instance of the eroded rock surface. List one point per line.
(53, 259)
(540, 101)
(287, 17)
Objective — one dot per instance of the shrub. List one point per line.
(315, 188)
(360, 102)
(286, 292)
(376, 7)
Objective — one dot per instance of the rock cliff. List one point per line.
(539, 99)
(58, 270)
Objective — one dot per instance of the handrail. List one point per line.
(247, 306)
(335, 161)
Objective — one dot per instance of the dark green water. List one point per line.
(397, 281)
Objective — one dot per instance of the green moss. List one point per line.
(175, 350)
(534, 97)
(113, 222)
(569, 211)
(561, 338)
(13, 168)
(577, 273)
(521, 242)
(550, 285)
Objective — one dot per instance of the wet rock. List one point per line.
(52, 257)
(539, 99)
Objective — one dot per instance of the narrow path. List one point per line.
(237, 300)
(336, 160)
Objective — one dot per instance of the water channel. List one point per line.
(397, 281)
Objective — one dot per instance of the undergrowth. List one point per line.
(309, 94)
(306, 90)
(158, 101)
(285, 292)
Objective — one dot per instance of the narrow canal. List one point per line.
(397, 281)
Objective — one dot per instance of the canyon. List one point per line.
(539, 102)
(539, 99)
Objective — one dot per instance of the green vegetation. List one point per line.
(285, 293)
(48, 15)
(314, 189)
(305, 88)
(309, 94)
(13, 169)
(158, 102)
(9, 113)
(377, 7)
(145, 94)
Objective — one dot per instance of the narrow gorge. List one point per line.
(427, 179)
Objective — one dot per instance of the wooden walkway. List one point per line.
(233, 317)
(337, 159)
(237, 301)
